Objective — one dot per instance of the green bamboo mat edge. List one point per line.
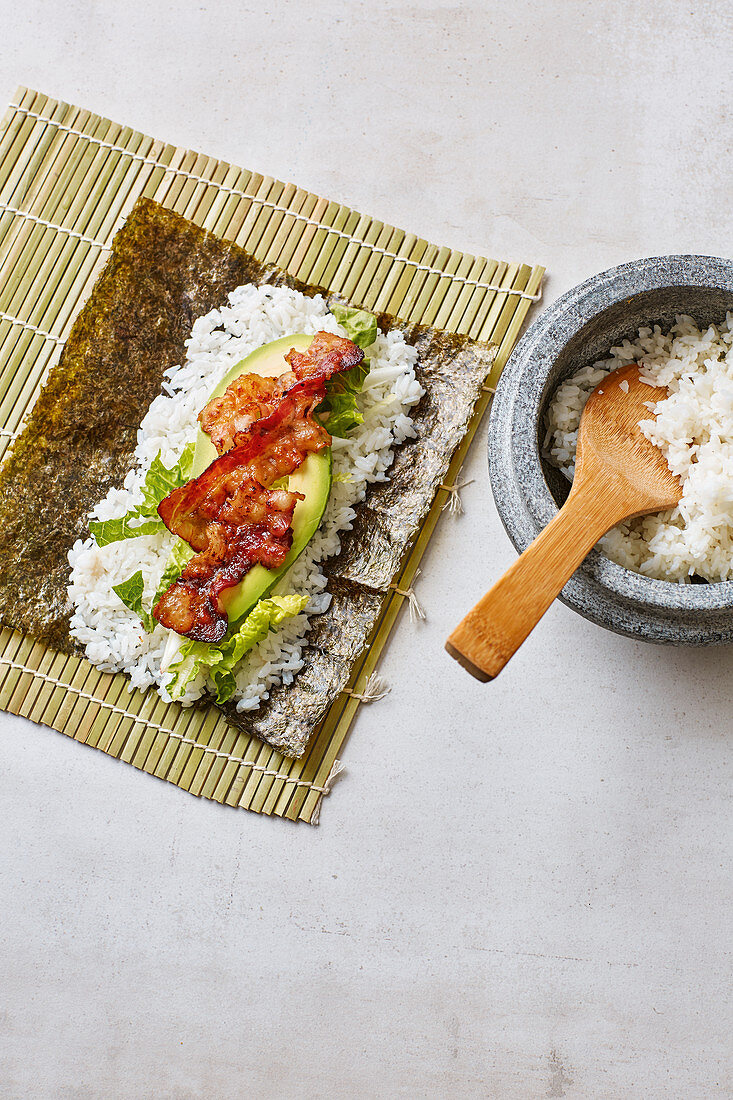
(68, 179)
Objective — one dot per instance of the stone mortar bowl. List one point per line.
(577, 329)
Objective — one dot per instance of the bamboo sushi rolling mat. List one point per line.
(68, 180)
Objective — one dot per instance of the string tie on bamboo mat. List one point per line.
(454, 504)
(337, 768)
(50, 225)
(486, 388)
(375, 688)
(32, 328)
(417, 612)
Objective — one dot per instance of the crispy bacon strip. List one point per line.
(263, 430)
(253, 526)
(276, 446)
(251, 399)
(247, 399)
(228, 515)
(325, 356)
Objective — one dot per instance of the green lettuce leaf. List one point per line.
(131, 594)
(131, 591)
(144, 519)
(266, 615)
(192, 657)
(360, 326)
(339, 410)
(106, 531)
(159, 481)
(220, 660)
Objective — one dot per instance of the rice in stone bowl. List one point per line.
(694, 430)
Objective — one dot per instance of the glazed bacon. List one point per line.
(275, 447)
(263, 430)
(247, 399)
(250, 527)
(218, 514)
(250, 398)
(325, 356)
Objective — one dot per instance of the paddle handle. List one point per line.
(495, 628)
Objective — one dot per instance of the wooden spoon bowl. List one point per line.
(618, 474)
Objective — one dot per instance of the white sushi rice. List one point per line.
(111, 634)
(693, 429)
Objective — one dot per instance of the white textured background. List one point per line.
(551, 917)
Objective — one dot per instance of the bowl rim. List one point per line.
(514, 453)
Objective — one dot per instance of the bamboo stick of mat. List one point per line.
(68, 179)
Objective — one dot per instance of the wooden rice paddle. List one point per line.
(618, 474)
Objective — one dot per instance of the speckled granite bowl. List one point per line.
(577, 329)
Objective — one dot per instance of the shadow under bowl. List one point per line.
(576, 330)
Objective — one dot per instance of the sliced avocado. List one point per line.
(312, 479)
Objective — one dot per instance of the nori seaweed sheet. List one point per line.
(79, 440)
